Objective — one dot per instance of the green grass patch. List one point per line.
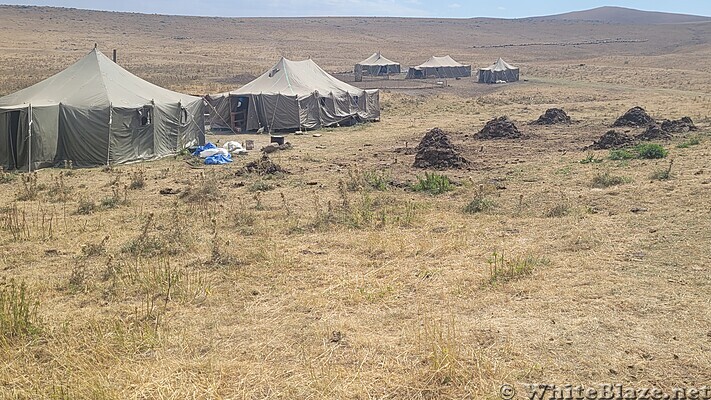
(621, 154)
(433, 184)
(695, 141)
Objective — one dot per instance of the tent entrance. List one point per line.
(14, 138)
(238, 113)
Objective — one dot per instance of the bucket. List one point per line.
(277, 139)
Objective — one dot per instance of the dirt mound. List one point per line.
(263, 166)
(437, 151)
(612, 140)
(684, 124)
(499, 128)
(552, 116)
(654, 132)
(636, 116)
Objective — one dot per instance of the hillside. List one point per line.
(622, 15)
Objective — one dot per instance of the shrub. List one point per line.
(433, 183)
(621, 154)
(6, 177)
(138, 180)
(86, 207)
(18, 311)
(606, 180)
(691, 142)
(663, 174)
(651, 151)
(261, 186)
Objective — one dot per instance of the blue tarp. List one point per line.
(218, 159)
(207, 146)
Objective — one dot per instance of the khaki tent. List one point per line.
(501, 71)
(95, 113)
(439, 67)
(293, 95)
(376, 65)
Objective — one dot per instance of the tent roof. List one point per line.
(94, 81)
(377, 59)
(500, 65)
(436, 62)
(296, 78)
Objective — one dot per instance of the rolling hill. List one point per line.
(621, 15)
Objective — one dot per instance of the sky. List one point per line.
(383, 8)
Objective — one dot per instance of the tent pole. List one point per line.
(276, 104)
(180, 122)
(29, 144)
(218, 114)
(108, 144)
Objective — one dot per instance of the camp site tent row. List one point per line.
(293, 95)
(95, 113)
(375, 65)
(439, 67)
(500, 71)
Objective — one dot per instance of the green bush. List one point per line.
(621, 154)
(433, 183)
(651, 151)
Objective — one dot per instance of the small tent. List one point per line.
(290, 96)
(376, 65)
(439, 67)
(95, 113)
(500, 71)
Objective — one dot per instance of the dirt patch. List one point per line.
(612, 140)
(437, 151)
(682, 125)
(654, 132)
(552, 116)
(262, 166)
(635, 117)
(499, 128)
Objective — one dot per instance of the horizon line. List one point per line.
(349, 16)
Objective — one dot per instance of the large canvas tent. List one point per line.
(95, 113)
(376, 65)
(439, 67)
(293, 95)
(500, 71)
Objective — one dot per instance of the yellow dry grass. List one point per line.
(313, 284)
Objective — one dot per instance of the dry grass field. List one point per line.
(544, 263)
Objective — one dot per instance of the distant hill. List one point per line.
(621, 15)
